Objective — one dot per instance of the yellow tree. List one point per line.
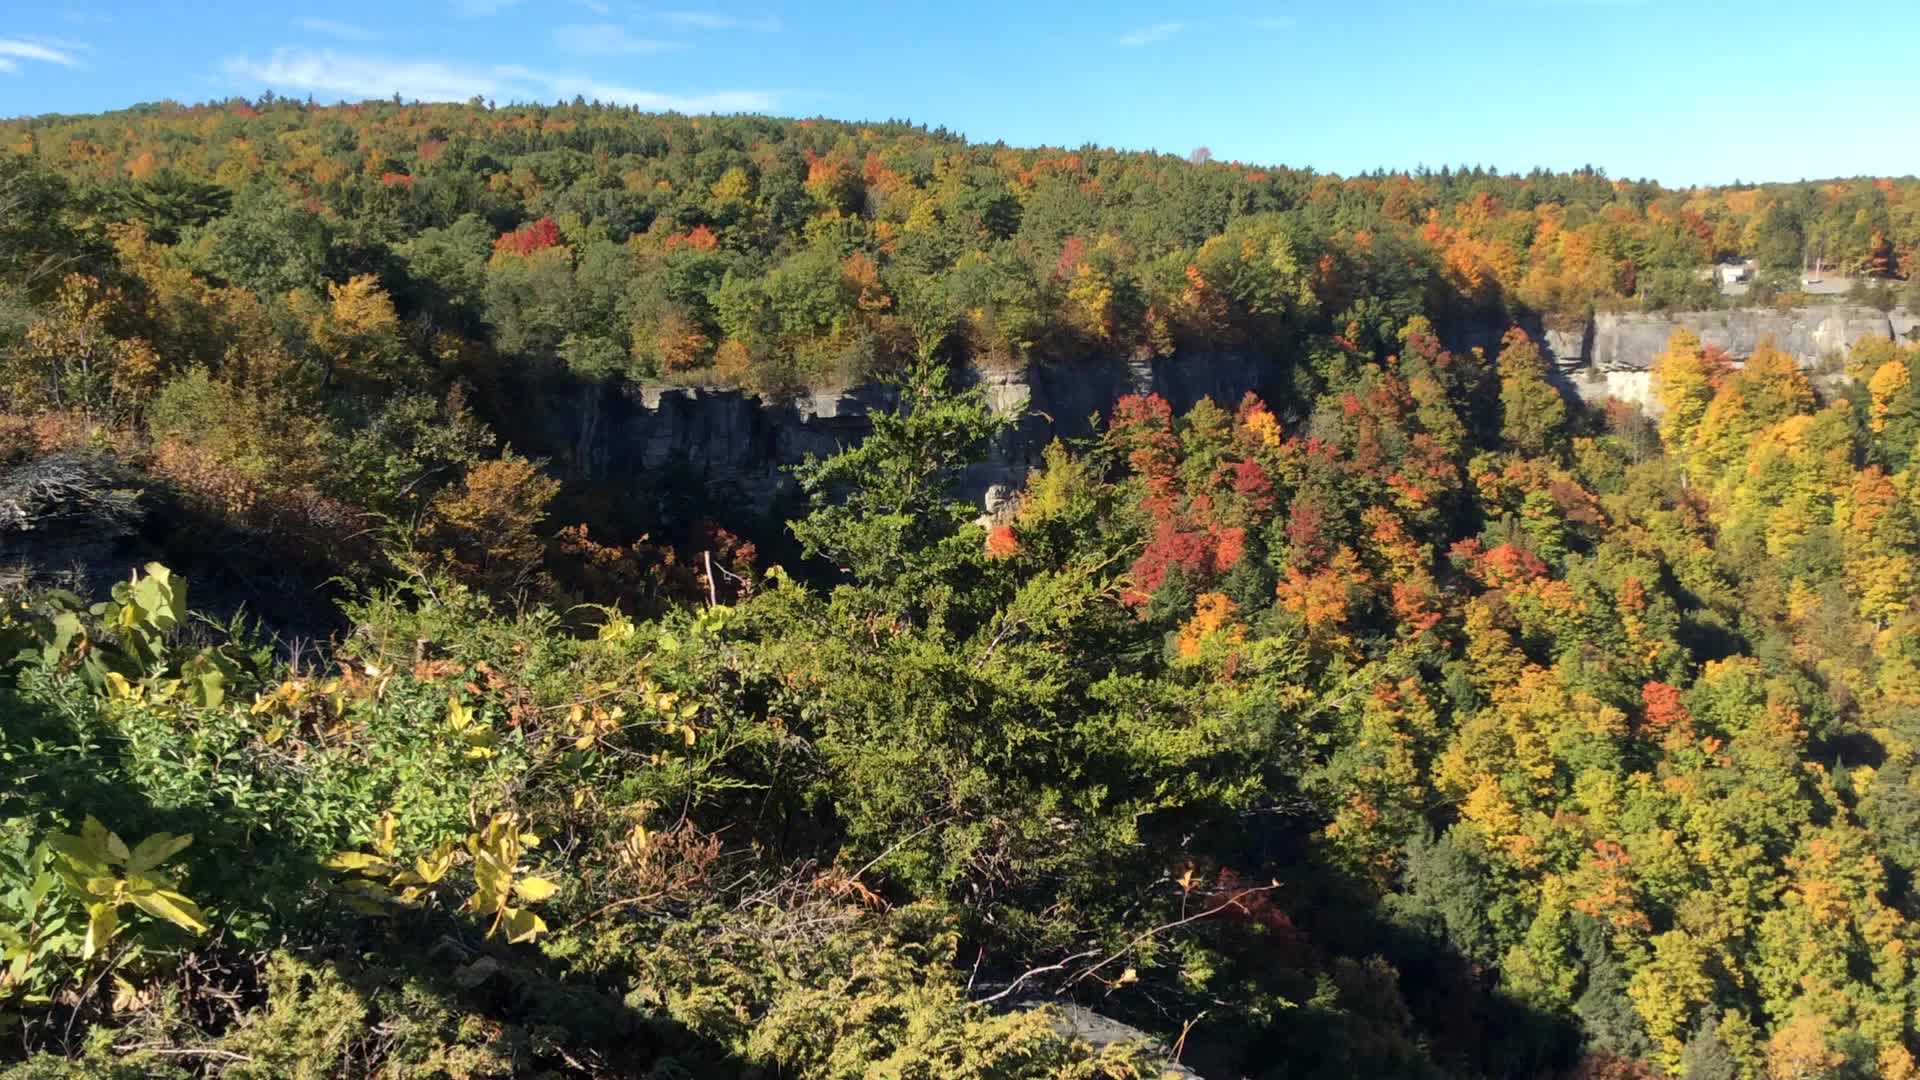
(1769, 389)
(1669, 991)
(487, 528)
(1683, 385)
(1877, 528)
(356, 332)
(1798, 1050)
(69, 360)
(1532, 411)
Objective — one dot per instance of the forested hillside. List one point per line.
(1415, 723)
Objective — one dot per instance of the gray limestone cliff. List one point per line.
(680, 453)
(1611, 354)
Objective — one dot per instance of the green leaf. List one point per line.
(213, 689)
(162, 598)
(66, 627)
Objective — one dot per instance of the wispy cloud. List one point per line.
(355, 77)
(598, 7)
(325, 71)
(333, 28)
(1273, 22)
(479, 8)
(85, 18)
(715, 20)
(43, 50)
(1147, 35)
(606, 39)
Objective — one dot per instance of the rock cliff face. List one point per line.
(1610, 355)
(679, 452)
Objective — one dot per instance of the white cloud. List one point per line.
(1147, 35)
(13, 49)
(358, 78)
(598, 7)
(482, 7)
(606, 39)
(718, 101)
(85, 18)
(714, 20)
(333, 28)
(328, 72)
(8, 66)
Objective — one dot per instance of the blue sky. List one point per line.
(1684, 91)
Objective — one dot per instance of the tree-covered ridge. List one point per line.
(1413, 722)
(1438, 731)
(770, 253)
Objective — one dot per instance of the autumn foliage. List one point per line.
(529, 238)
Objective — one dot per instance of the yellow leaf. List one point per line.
(356, 860)
(126, 995)
(102, 923)
(156, 849)
(435, 866)
(172, 907)
(534, 889)
(492, 882)
(522, 925)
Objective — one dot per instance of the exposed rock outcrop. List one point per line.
(680, 453)
(686, 451)
(85, 520)
(1610, 355)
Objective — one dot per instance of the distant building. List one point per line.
(1735, 273)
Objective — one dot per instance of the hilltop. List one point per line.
(1324, 692)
